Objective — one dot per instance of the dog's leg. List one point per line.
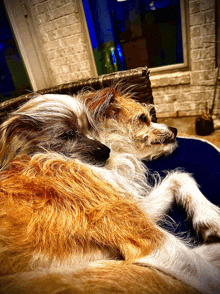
(186, 264)
(182, 188)
(210, 252)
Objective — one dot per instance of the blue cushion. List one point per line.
(202, 160)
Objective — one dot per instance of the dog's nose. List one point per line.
(102, 152)
(173, 130)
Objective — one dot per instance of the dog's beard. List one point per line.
(157, 150)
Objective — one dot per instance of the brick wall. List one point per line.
(65, 43)
(187, 93)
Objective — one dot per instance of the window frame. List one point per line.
(28, 43)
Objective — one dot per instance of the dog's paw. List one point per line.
(209, 232)
(212, 239)
(207, 224)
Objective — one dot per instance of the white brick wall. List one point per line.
(63, 39)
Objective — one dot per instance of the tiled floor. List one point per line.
(186, 127)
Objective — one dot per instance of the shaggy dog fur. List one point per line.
(74, 220)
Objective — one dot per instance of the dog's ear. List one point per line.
(22, 124)
(102, 103)
(15, 133)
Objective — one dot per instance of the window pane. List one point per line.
(134, 33)
(162, 31)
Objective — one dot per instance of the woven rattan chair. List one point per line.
(138, 76)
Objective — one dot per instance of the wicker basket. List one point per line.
(138, 77)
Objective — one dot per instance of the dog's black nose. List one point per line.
(101, 152)
(174, 131)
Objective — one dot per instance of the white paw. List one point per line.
(207, 223)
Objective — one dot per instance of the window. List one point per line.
(129, 33)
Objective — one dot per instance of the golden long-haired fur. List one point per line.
(76, 217)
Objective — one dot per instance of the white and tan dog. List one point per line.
(75, 218)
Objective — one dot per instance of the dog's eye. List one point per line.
(143, 118)
(69, 135)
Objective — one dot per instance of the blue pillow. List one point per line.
(202, 160)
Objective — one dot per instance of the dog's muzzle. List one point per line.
(91, 151)
(167, 137)
(172, 137)
(174, 131)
